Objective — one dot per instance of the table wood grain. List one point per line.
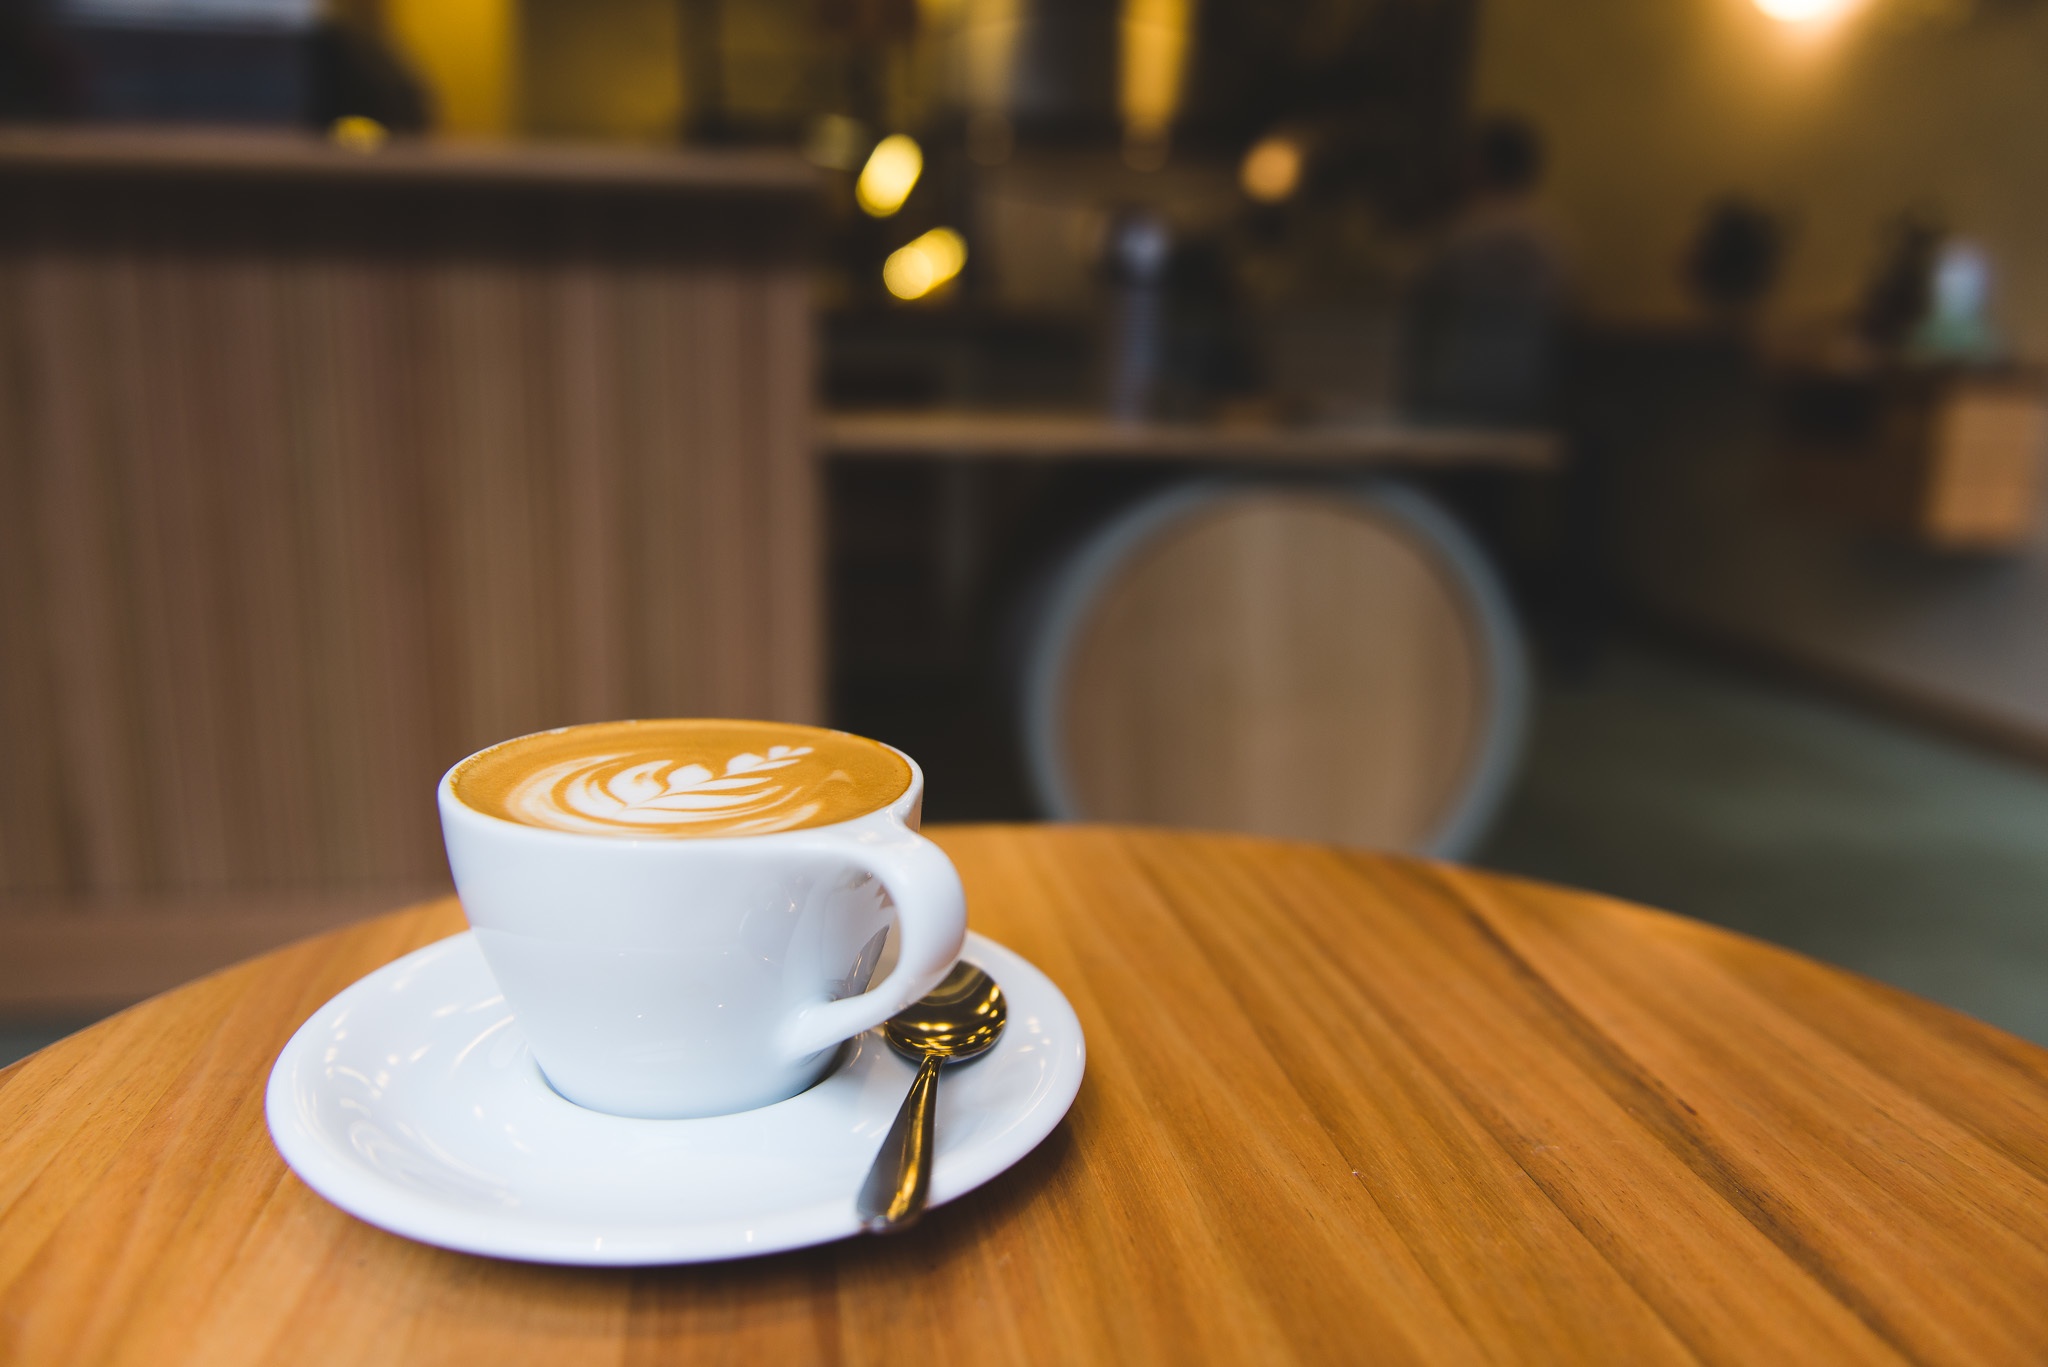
(1340, 1107)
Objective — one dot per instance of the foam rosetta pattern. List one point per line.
(746, 794)
(683, 779)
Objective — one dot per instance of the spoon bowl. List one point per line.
(961, 1018)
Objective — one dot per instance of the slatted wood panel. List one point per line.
(1340, 1108)
(313, 480)
(1284, 664)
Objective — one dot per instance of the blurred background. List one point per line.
(1595, 440)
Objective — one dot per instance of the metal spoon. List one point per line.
(962, 1017)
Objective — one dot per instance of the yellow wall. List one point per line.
(1654, 107)
(467, 53)
(765, 78)
(603, 68)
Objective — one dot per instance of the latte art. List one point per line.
(603, 792)
(682, 778)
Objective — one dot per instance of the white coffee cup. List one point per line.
(702, 976)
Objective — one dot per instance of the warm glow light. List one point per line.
(1153, 55)
(465, 52)
(988, 36)
(836, 142)
(890, 175)
(1803, 11)
(924, 263)
(357, 133)
(1272, 169)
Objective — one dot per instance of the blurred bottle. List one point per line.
(1956, 327)
(1896, 298)
(1140, 247)
(1929, 297)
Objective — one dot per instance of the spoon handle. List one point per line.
(900, 1182)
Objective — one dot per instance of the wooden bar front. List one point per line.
(320, 470)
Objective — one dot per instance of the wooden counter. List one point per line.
(319, 470)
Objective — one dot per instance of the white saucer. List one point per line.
(412, 1101)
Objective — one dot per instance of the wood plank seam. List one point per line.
(1664, 1115)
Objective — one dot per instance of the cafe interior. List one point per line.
(1345, 502)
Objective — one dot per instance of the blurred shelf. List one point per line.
(1949, 458)
(216, 153)
(967, 435)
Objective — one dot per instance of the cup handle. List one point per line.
(931, 923)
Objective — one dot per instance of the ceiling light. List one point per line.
(1804, 11)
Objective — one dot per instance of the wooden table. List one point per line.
(1340, 1108)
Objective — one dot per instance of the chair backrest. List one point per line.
(1322, 662)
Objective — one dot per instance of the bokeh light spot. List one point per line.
(924, 263)
(890, 175)
(1272, 169)
(357, 133)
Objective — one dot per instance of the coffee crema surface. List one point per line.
(680, 779)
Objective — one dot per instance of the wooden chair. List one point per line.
(1329, 661)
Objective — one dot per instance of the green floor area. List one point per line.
(1840, 834)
